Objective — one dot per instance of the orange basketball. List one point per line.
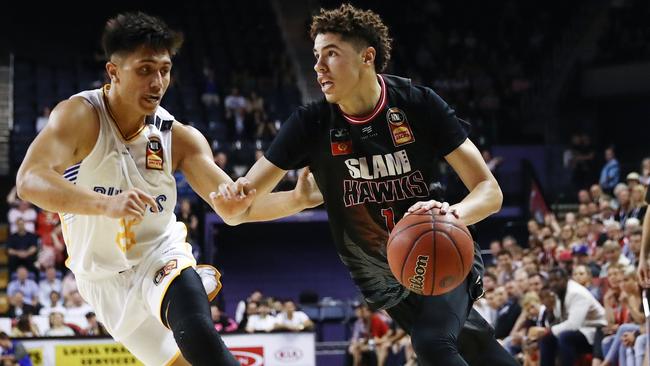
(430, 253)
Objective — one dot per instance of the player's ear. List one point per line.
(368, 55)
(111, 70)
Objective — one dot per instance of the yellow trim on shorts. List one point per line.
(216, 291)
(174, 358)
(181, 269)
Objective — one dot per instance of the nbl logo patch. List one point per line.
(399, 127)
(154, 153)
(165, 271)
(340, 142)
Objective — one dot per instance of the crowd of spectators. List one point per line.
(571, 292)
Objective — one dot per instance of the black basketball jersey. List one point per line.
(370, 171)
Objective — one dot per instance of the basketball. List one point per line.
(430, 253)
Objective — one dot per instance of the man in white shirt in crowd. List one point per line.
(263, 321)
(292, 319)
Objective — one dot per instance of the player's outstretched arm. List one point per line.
(264, 176)
(485, 195)
(67, 139)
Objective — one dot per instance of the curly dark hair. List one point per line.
(126, 32)
(361, 26)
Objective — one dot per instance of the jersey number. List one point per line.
(389, 216)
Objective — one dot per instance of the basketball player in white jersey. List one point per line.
(105, 163)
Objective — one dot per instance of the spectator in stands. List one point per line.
(612, 255)
(53, 304)
(94, 328)
(633, 179)
(630, 298)
(76, 307)
(366, 330)
(263, 321)
(22, 210)
(191, 221)
(210, 96)
(582, 275)
(507, 313)
(250, 310)
(581, 257)
(50, 283)
(584, 196)
(567, 236)
(22, 247)
(25, 285)
(529, 263)
(509, 242)
(635, 241)
(574, 335)
(637, 203)
(292, 319)
(531, 315)
(610, 173)
(536, 282)
(255, 297)
(58, 328)
(222, 322)
(68, 285)
(52, 251)
(495, 248)
(549, 255)
(221, 159)
(596, 192)
(13, 352)
(505, 267)
(644, 178)
(19, 307)
(235, 105)
(41, 121)
(25, 327)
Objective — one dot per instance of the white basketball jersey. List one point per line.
(99, 246)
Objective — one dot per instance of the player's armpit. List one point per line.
(68, 138)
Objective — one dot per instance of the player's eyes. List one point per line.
(331, 53)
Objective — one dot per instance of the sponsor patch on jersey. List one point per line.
(154, 153)
(399, 127)
(340, 141)
(165, 271)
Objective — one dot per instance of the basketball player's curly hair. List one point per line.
(361, 26)
(126, 32)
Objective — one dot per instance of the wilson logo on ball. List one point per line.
(416, 282)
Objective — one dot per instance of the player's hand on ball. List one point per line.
(306, 191)
(131, 204)
(232, 199)
(424, 206)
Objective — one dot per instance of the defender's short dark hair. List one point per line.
(361, 26)
(126, 32)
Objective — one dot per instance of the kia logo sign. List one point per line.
(288, 354)
(248, 358)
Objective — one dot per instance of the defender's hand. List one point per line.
(233, 199)
(131, 204)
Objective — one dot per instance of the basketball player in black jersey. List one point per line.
(372, 144)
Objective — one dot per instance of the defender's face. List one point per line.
(338, 66)
(142, 77)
